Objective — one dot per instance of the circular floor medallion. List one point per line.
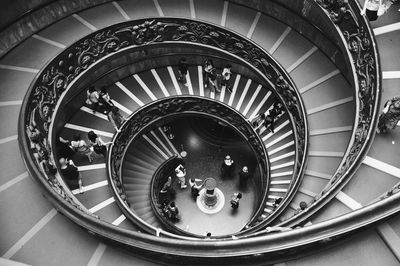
(201, 201)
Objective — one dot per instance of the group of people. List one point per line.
(167, 192)
(212, 80)
(376, 8)
(66, 150)
(100, 101)
(268, 118)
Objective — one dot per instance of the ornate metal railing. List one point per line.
(47, 91)
(153, 114)
(354, 31)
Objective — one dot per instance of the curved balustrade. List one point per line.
(153, 115)
(344, 25)
(47, 91)
(353, 30)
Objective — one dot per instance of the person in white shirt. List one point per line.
(180, 172)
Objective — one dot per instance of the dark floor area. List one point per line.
(206, 148)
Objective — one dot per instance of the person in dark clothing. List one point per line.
(71, 174)
(235, 200)
(63, 149)
(276, 203)
(97, 143)
(244, 176)
(269, 121)
(105, 101)
(227, 167)
(167, 192)
(182, 70)
(195, 189)
(171, 211)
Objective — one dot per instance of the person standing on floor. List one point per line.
(244, 177)
(194, 188)
(227, 167)
(180, 172)
(235, 200)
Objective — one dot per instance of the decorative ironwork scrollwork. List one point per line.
(56, 77)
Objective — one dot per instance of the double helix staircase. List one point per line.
(29, 229)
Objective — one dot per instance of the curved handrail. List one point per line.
(353, 30)
(290, 241)
(61, 73)
(154, 113)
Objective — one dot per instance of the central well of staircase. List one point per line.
(146, 153)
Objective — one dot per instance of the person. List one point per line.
(167, 192)
(226, 75)
(258, 122)
(195, 189)
(172, 211)
(71, 174)
(182, 70)
(180, 172)
(244, 176)
(63, 148)
(97, 143)
(105, 100)
(269, 120)
(92, 98)
(276, 203)
(80, 146)
(390, 116)
(235, 200)
(212, 80)
(115, 117)
(208, 68)
(210, 75)
(375, 8)
(227, 167)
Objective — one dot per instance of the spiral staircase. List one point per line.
(35, 232)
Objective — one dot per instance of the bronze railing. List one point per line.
(352, 30)
(60, 75)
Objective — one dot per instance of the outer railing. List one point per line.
(354, 31)
(154, 114)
